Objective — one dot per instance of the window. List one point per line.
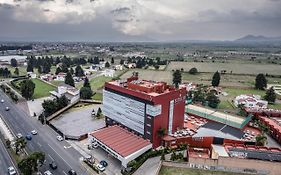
(148, 125)
(148, 132)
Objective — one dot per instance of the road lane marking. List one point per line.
(51, 157)
(39, 144)
(59, 155)
(64, 172)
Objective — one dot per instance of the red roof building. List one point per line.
(121, 143)
(144, 107)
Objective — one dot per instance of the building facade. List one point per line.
(144, 107)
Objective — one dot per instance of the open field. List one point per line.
(236, 68)
(97, 96)
(41, 89)
(186, 171)
(150, 75)
(226, 79)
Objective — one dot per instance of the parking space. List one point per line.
(114, 165)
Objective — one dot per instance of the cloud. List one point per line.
(162, 19)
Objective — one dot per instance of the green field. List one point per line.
(41, 89)
(186, 171)
(98, 82)
(97, 96)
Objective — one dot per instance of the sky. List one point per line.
(137, 20)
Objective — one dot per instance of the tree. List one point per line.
(121, 61)
(99, 113)
(29, 67)
(270, 96)
(112, 60)
(79, 72)
(86, 93)
(213, 100)
(64, 68)
(62, 102)
(161, 132)
(69, 79)
(30, 164)
(177, 78)
(39, 69)
(261, 82)
(20, 144)
(16, 72)
(14, 62)
(96, 60)
(193, 71)
(107, 64)
(261, 140)
(216, 79)
(86, 83)
(71, 71)
(27, 88)
(58, 70)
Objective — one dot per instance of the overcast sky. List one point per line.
(137, 20)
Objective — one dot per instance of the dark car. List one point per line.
(53, 165)
(103, 163)
(72, 172)
(28, 137)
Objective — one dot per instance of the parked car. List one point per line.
(72, 172)
(2, 101)
(59, 138)
(103, 163)
(33, 132)
(100, 167)
(28, 137)
(7, 108)
(53, 165)
(19, 135)
(47, 173)
(12, 171)
(95, 145)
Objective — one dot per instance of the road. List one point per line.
(44, 141)
(5, 159)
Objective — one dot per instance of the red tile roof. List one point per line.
(120, 140)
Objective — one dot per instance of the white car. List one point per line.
(7, 108)
(33, 132)
(19, 135)
(12, 170)
(95, 145)
(47, 173)
(100, 167)
(2, 101)
(59, 138)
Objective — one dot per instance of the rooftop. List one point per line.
(120, 140)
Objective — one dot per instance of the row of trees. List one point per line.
(52, 106)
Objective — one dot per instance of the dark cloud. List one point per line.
(120, 10)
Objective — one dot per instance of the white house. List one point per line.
(250, 100)
(108, 72)
(118, 67)
(60, 76)
(31, 74)
(70, 92)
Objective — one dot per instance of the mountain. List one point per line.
(259, 38)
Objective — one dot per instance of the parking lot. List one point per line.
(114, 165)
(78, 121)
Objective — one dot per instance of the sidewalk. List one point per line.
(5, 130)
(150, 167)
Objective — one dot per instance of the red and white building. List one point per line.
(144, 107)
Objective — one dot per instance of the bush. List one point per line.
(193, 71)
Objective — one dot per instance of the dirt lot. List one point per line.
(151, 75)
(236, 68)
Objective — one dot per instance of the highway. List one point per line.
(5, 159)
(44, 141)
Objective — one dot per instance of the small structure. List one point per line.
(131, 65)
(120, 143)
(31, 74)
(47, 77)
(118, 67)
(250, 100)
(60, 76)
(70, 92)
(109, 72)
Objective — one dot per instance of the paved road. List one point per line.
(5, 159)
(45, 141)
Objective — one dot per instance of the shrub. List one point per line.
(193, 71)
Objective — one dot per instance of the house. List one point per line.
(31, 74)
(60, 76)
(131, 65)
(70, 92)
(108, 72)
(250, 100)
(118, 67)
(47, 77)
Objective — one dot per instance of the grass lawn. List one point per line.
(225, 104)
(97, 96)
(186, 171)
(233, 92)
(56, 83)
(41, 89)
